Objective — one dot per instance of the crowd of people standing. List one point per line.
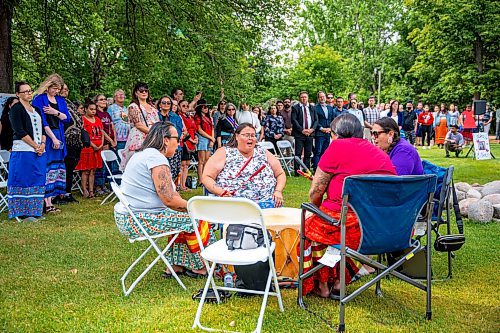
(54, 137)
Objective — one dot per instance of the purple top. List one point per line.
(406, 159)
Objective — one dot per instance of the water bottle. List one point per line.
(194, 182)
(228, 280)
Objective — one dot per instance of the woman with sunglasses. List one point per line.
(225, 127)
(190, 141)
(219, 112)
(28, 160)
(404, 157)
(142, 115)
(149, 188)
(166, 112)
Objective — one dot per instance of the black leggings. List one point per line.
(426, 132)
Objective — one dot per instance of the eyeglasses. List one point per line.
(329, 97)
(142, 90)
(375, 134)
(174, 137)
(231, 109)
(166, 102)
(248, 135)
(26, 92)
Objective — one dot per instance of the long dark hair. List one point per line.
(7, 106)
(388, 124)
(157, 133)
(137, 86)
(232, 142)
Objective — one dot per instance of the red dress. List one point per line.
(90, 159)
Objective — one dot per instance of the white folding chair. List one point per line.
(4, 163)
(109, 156)
(120, 153)
(75, 184)
(4, 205)
(193, 164)
(286, 155)
(151, 240)
(267, 145)
(230, 211)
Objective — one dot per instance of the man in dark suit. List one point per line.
(325, 114)
(304, 123)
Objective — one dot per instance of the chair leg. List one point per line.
(342, 304)
(106, 199)
(378, 290)
(264, 303)
(124, 276)
(202, 300)
(428, 313)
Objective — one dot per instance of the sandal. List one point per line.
(194, 275)
(210, 298)
(52, 209)
(91, 195)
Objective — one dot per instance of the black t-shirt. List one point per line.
(52, 120)
(409, 118)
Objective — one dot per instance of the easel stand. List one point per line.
(472, 147)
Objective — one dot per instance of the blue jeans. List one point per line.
(320, 145)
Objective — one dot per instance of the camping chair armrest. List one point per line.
(315, 210)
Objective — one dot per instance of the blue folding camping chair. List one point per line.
(387, 208)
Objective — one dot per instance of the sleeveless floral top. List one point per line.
(250, 178)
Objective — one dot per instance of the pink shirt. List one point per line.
(347, 157)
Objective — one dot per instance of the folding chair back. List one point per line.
(232, 211)
(286, 155)
(108, 157)
(146, 237)
(4, 163)
(387, 208)
(267, 145)
(5, 154)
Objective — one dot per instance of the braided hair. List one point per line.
(388, 124)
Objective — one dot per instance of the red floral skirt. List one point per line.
(319, 235)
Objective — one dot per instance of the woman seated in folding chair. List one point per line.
(348, 154)
(148, 186)
(243, 169)
(385, 135)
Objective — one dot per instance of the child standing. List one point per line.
(90, 157)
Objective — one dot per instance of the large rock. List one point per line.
(461, 195)
(464, 205)
(481, 211)
(464, 187)
(496, 211)
(472, 193)
(493, 198)
(491, 188)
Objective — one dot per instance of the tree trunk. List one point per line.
(478, 55)
(6, 71)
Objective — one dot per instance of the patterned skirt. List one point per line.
(175, 164)
(55, 182)
(319, 234)
(26, 183)
(161, 222)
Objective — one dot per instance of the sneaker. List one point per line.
(58, 200)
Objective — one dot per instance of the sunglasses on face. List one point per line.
(375, 134)
(142, 90)
(329, 97)
(101, 99)
(176, 138)
(166, 102)
(231, 109)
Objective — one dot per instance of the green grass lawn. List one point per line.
(62, 275)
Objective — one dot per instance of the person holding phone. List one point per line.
(55, 114)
